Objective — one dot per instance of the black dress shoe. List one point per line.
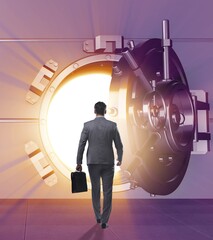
(98, 220)
(104, 225)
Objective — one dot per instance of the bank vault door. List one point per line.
(153, 104)
(149, 98)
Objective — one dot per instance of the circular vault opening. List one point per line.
(68, 103)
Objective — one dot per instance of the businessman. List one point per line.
(100, 134)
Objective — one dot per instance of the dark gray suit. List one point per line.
(100, 134)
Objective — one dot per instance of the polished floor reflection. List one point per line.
(144, 219)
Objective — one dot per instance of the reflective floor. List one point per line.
(152, 219)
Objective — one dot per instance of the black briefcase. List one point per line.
(78, 182)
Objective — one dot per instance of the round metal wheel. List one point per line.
(157, 122)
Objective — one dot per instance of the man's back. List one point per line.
(100, 134)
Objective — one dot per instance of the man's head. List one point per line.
(100, 108)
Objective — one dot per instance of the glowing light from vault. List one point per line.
(71, 106)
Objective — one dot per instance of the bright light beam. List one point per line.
(71, 106)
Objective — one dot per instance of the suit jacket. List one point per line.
(100, 134)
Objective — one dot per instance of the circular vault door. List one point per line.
(156, 117)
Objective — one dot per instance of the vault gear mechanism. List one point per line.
(155, 107)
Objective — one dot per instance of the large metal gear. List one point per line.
(159, 116)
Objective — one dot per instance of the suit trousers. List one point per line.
(104, 172)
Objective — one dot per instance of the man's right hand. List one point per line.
(79, 167)
(118, 163)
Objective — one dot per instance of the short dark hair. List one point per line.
(100, 108)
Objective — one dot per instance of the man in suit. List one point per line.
(100, 134)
